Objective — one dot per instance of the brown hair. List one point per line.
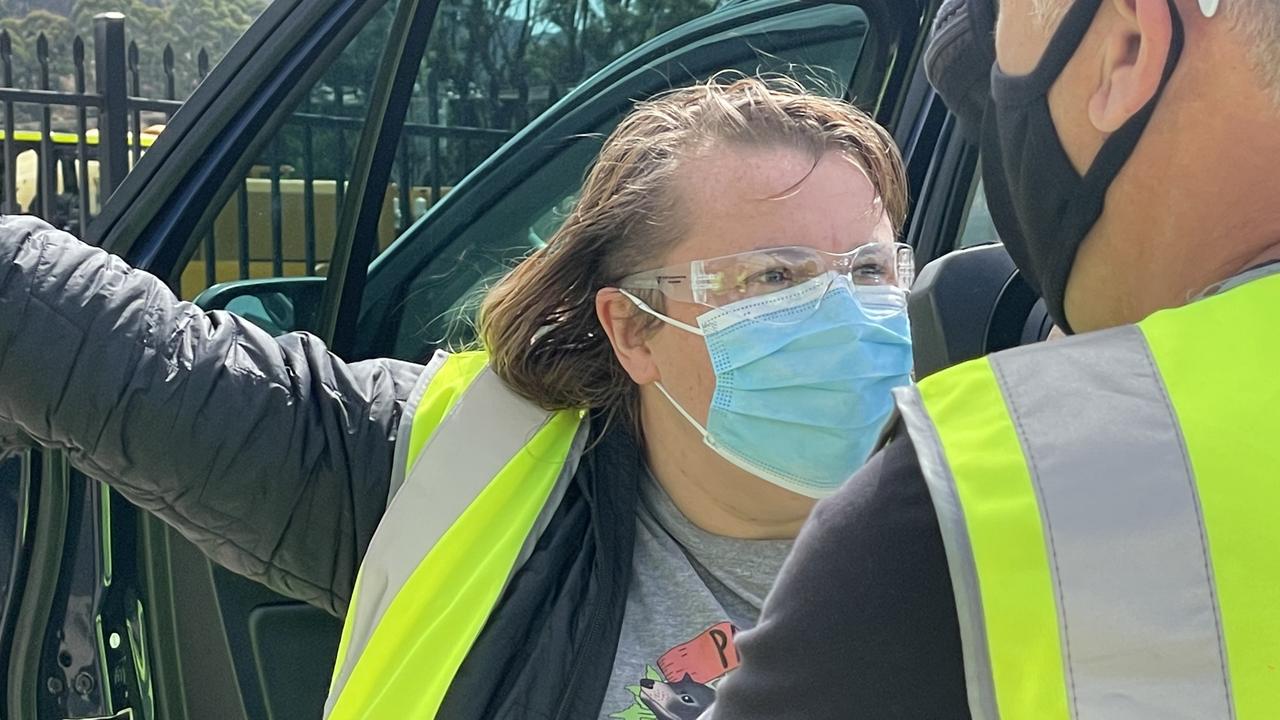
(539, 322)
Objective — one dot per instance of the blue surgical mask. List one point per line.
(801, 403)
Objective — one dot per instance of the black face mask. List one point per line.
(1042, 208)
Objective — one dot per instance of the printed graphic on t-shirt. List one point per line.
(682, 686)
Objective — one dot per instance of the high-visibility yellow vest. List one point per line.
(1110, 506)
(479, 471)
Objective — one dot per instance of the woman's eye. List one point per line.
(772, 276)
(870, 271)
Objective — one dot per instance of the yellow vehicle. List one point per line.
(243, 243)
(65, 144)
(233, 232)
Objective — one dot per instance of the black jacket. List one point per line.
(274, 457)
(862, 621)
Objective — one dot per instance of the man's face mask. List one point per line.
(1041, 206)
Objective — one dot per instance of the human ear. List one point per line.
(628, 333)
(1134, 53)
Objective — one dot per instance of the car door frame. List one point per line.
(215, 130)
(889, 80)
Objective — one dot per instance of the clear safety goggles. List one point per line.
(721, 281)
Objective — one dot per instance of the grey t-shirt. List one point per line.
(691, 592)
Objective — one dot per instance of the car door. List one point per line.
(329, 106)
(111, 611)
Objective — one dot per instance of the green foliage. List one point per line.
(186, 25)
(214, 25)
(489, 63)
(24, 31)
(499, 53)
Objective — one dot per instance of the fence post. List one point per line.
(135, 74)
(10, 154)
(48, 161)
(113, 117)
(433, 118)
(170, 86)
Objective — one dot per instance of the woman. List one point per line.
(574, 522)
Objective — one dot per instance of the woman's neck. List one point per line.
(716, 495)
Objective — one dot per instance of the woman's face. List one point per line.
(748, 198)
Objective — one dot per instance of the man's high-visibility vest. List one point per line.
(1110, 506)
(479, 473)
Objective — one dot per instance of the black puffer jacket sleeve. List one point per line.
(270, 454)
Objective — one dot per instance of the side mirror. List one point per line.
(277, 305)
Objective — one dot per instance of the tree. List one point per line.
(187, 25)
(214, 25)
(24, 33)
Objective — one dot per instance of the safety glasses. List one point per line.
(721, 281)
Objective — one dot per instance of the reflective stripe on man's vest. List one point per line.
(484, 471)
(1109, 508)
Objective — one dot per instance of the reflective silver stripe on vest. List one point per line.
(402, 460)
(477, 438)
(1138, 615)
(955, 537)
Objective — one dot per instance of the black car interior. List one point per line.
(970, 303)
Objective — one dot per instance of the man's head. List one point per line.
(1195, 202)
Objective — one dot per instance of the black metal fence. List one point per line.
(281, 218)
(66, 191)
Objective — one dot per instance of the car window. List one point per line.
(281, 214)
(978, 227)
(492, 66)
(446, 269)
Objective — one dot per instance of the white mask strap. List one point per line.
(686, 415)
(670, 321)
(1209, 7)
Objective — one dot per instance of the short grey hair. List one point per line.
(1257, 20)
(1049, 11)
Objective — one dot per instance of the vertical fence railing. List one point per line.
(242, 227)
(170, 81)
(135, 76)
(308, 196)
(340, 189)
(82, 135)
(113, 112)
(277, 212)
(48, 161)
(209, 242)
(64, 186)
(433, 118)
(281, 217)
(10, 155)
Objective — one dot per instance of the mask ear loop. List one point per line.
(668, 320)
(697, 425)
(683, 326)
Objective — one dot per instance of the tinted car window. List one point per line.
(434, 306)
(978, 227)
(282, 213)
